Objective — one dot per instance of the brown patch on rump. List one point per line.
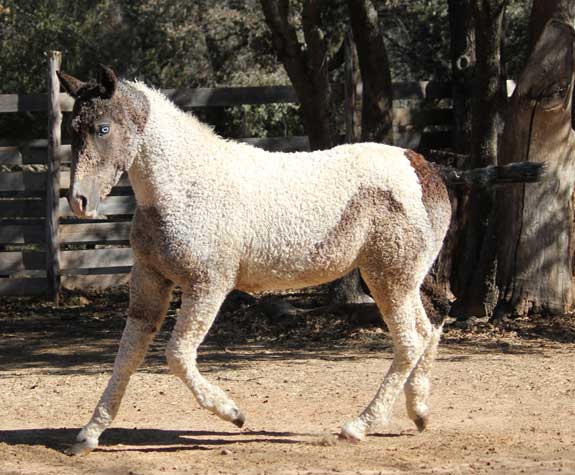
(433, 188)
(356, 223)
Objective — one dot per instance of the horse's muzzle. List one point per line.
(84, 197)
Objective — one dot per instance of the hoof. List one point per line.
(81, 448)
(352, 432)
(239, 421)
(421, 423)
(350, 439)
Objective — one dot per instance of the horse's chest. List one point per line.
(176, 248)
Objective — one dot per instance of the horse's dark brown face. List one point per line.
(107, 121)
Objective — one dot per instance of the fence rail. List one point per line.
(43, 247)
(222, 96)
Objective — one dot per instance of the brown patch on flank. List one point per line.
(358, 216)
(433, 188)
(365, 214)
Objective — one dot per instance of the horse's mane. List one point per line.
(158, 99)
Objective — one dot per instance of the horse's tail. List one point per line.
(520, 172)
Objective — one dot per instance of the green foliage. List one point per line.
(417, 36)
(171, 43)
(271, 120)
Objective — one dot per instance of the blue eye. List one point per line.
(103, 130)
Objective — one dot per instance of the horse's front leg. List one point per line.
(200, 305)
(149, 300)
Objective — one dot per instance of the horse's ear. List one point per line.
(107, 78)
(71, 84)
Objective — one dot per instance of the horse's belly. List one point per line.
(259, 280)
(285, 264)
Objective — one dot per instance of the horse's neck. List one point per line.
(173, 149)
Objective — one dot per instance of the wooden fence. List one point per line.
(44, 248)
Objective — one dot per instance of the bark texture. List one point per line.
(462, 34)
(377, 113)
(462, 51)
(535, 222)
(476, 271)
(306, 66)
(376, 107)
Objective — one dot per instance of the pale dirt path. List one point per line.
(494, 411)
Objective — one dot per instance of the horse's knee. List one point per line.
(178, 361)
(407, 355)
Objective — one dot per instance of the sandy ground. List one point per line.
(503, 402)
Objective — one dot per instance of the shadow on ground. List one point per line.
(82, 335)
(158, 440)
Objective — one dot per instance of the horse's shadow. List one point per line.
(149, 440)
(160, 440)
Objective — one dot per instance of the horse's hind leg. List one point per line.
(200, 306)
(418, 386)
(149, 300)
(397, 298)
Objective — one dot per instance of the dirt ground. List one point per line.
(503, 399)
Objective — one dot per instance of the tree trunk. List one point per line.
(349, 289)
(462, 35)
(308, 70)
(377, 113)
(462, 50)
(306, 66)
(352, 91)
(536, 234)
(477, 252)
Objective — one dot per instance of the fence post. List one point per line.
(352, 91)
(53, 176)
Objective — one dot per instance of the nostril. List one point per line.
(83, 202)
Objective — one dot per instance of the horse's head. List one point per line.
(108, 119)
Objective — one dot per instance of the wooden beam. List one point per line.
(65, 181)
(53, 176)
(16, 261)
(421, 90)
(11, 155)
(22, 234)
(403, 116)
(110, 206)
(231, 96)
(95, 282)
(222, 97)
(22, 181)
(22, 208)
(25, 153)
(95, 258)
(23, 287)
(93, 232)
(279, 144)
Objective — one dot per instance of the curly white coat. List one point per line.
(214, 215)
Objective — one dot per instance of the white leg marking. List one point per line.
(398, 311)
(133, 345)
(199, 309)
(418, 386)
(149, 299)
